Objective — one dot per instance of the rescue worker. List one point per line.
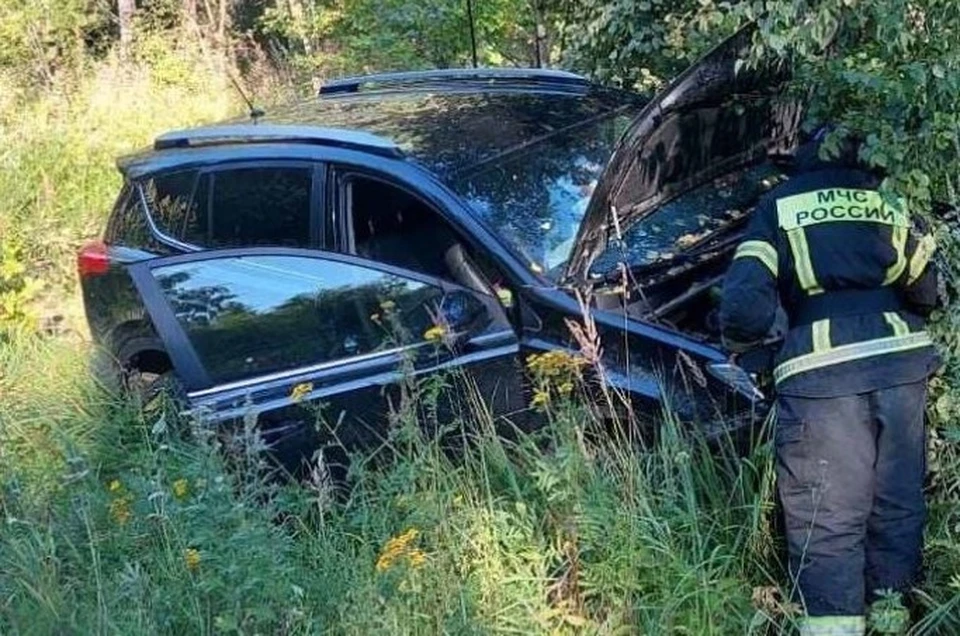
(856, 282)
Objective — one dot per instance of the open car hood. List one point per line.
(716, 117)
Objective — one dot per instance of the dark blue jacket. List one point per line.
(854, 276)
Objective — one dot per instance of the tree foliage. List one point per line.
(378, 35)
(38, 38)
(887, 70)
(642, 43)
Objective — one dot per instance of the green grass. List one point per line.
(570, 530)
(592, 536)
(112, 523)
(58, 154)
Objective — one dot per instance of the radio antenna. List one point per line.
(473, 32)
(255, 112)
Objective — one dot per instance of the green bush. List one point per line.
(18, 290)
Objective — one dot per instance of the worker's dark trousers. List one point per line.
(850, 475)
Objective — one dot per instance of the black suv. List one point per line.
(307, 258)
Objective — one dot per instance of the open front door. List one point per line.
(719, 115)
(317, 344)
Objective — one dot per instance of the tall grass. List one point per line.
(113, 524)
(58, 153)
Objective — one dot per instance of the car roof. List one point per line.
(448, 122)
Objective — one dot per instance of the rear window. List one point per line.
(240, 207)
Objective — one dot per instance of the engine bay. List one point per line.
(675, 259)
(686, 297)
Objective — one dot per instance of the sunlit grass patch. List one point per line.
(58, 156)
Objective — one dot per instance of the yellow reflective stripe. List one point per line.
(821, 335)
(899, 239)
(921, 258)
(833, 626)
(898, 324)
(761, 250)
(839, 205)
(851, 352)
(801, 261)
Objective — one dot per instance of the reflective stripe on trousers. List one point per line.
(833, 626)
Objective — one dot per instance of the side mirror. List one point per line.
(459, 316)
(459, 310)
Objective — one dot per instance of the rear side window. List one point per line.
(173, 205)
(242, 207)
(254, 315)
(128, 225)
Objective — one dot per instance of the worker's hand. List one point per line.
(735, 348)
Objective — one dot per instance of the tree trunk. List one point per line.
(190, 19)
(542, 50)
(125, 11)
(300, 26)
(223, 23)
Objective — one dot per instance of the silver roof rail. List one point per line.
(563, 79)
(276, 133)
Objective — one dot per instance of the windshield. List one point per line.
(536, 198)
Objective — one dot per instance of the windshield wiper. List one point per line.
(682, 258)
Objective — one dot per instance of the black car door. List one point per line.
(315, 345)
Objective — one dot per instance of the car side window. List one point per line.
(128, 225)
(254, 315)
(389, 225)
(237, 207)
(259, 206)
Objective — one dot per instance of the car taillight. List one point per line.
(93, 260)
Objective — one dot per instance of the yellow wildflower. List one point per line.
(120, 510)
(541, 398)
(115, 486)
(397, 548)
(417, 558)
(434, 333)
(181, 488)
(191, 557)
(555, 375)
(555, 364)
(301, 391)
